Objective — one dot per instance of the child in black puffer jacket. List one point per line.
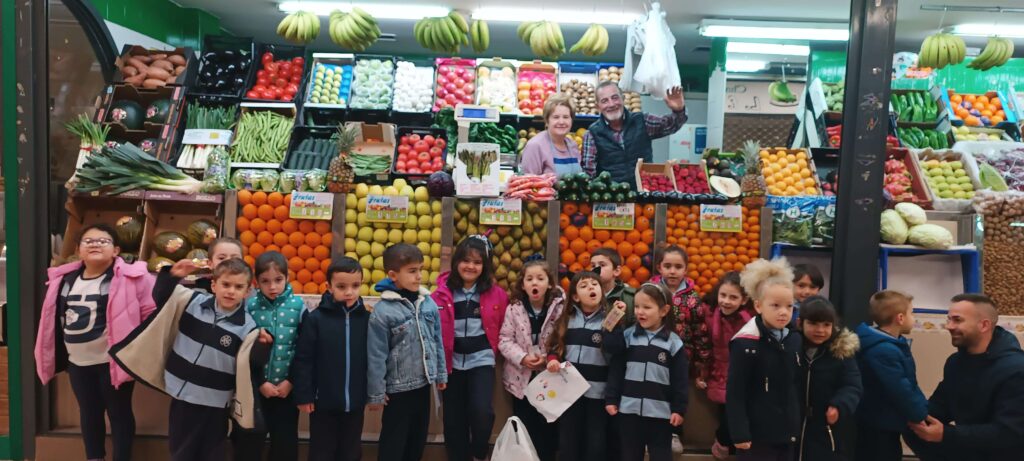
(829, 383)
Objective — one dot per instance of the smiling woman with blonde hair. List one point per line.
(551, 151)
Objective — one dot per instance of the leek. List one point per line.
(113, 170)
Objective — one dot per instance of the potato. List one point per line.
(176, 59)
(179, 70)
(159, 73)
(152, 83)
(163, 64)
(130, 71)
(158, 56)
(144, 58)
(136, 80)
(138, 63)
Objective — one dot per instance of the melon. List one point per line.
(129, 233)
(201, 233)
(725, 186)
(158, 262)
(171, 245)
(197, 254)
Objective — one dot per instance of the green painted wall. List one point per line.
(161, 20)
(10, 445)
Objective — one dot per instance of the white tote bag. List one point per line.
(553, 393)
(514, 443)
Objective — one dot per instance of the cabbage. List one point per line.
(894, 229)
(914, 215)
(930, 236)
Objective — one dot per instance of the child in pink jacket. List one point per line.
(472, 309)
(90, 305)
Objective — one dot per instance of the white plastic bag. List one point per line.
(553, 393)
(658, 70)
(514, 443)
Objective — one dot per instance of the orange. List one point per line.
(273, 248)
(247, 238)
(303, 276)
(584, 259)
(568, 257)
(249, 260)
(321, 253)
(312, 264)
(563, 221)
(670, 223)
(706, 288)
(634, 283)
(564, 283)
(244, 197)
(586, 233)
(250, 211)
(593, 245)
(288, 199)
(571, 233)
(626, 273)
(641, 249)
(642, 274)
(274, 226)
(289, 226)
(326, 239)
(242, 224)
(319, 277)
(578, 246)
(610, 244)
(602, 235)
(634, 237)
(702, 267)
(257, 225)
(288, 251)
(306, 226)
(625, 249)
(323, 288)
(647, 236)
(618, 236)
(584, 208)
(256, 249)
(296, 239)
(643, 223)
(693, 274)
(265, 212)
(280, 212)
(305, 252)
(563, 243)
(322, 227)
(575, 267)
(634, 261)
(727, 266)
(312, 239)
(671, 240)
(275, 199)
(569, 208)
(325, 264)
(265, 238)
(259, 198)
(296, 288)
(296, 264)
(649, 211)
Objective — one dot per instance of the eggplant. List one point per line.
(210, 57)
(229, 54)
(231, 68)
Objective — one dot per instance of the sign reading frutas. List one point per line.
(501, 212)
(614, 216)
(721, 218)
(311, 205)
(387, 208)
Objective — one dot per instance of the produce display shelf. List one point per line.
(970, 262)
(259, 166)
(779, 247)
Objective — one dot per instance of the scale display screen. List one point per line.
(474, 113)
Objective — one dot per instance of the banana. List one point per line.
(530, 28)
(584, 41)
(961, 49)
(600, 46)
(479, 36)
(1009, 49)
(559, 38)
(943, 52)
(283, 25)
(459, 21)
(521, 30)
(983, 60)
(362, 14)
(485, 36)
(924, 56)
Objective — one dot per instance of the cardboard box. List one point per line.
(661, 169)
(378, 139)
(87, 209)
(159, 138)
(175, 213)
(702, 167)
(922, 194)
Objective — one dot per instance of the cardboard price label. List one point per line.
(721, 218)
(387, 208)
(207, 137)
(614, 216)
(501, 212)
(311, 205)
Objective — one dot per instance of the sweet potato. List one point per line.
(179, 70)
(130, 71)
(151, 83)
(158, 73)
(158, 56)
(146, 59)
(172, 79)
(136, 80)
(138, 62)
(176, 59)
(163, 64)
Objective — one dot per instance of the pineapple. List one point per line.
(340, 173)
(753, 184)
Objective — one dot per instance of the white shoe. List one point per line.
(677, 445)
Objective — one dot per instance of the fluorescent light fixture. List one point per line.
(988, 30)
(767, 48)
(744, 65)
(775, 30)
(564, 16)
(377, 10)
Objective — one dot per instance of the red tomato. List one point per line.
(280, 82)
(267, 58)
(437, 164)
(404, 149)
(296, 78)
(423, 158)
(298, 61)
(286, 97)
(271, 67)
(435, 152)
(413, 138)
(260, 88)
(291, 88)
(429, 140)
(420, 146)
(262, 81)
(440, 143)
(284, 73)
(412, 163)
(261, 73)
(277, 92)
(400, 165)
(253, 94)
(268, 94)
(414, 171)
(404, 140)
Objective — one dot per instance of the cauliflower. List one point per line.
(930, 236)
(894, 229)
(914, 215)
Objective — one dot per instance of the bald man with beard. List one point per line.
(977, 411)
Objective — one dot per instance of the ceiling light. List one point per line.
(744, 65)
(377, 10)
(564, 16)
(988, 30)
(775, 30)
(767, 48)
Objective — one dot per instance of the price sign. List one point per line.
(501, 212)
(721, 218)
(207, 137)
(614, 216)
(311, 205)
(387, 208)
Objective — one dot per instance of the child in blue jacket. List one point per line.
(891, 398)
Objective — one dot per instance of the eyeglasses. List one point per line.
(100, 242)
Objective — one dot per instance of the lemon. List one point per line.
(390, 190)
(377, 276)
(363, 248)
(361, 205)
(437, 219)
(376, 249)
(421, 194)
(424, 247)
(406, 191)
(411, 223)
(423, 209)
(351, 229)
(366, 274)
(366, 260)
(395, 236)
(351, 215)
(410, 236)
(378, 264)
(352, 254)
(350, 244)
(376, 190)
(435, 264)
(435, 235)
(399, 183)
(373, 292)
(426, 222)
(398, 225)
(362, 190)
(435, 206)
(424, 275)
(435, 250)
(433, 278)
(423, 236)
(365, 234)
(380, 236)
(350, 201)
(363, 289)
(361, 220)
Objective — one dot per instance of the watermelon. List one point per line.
(201, 233)
(129, 233)
(158, 111)
(157, 262)
(171, 245)
(128, 113)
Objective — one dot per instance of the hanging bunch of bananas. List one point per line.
(544, 37)
(356, 30)
(996, 53)
(299, 27)
(594, 41)
(444, 34)
(941, 50)
(480, 36)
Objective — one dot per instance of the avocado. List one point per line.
(127, 113)
(158, 111)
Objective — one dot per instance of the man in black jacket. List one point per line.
(977, 412)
